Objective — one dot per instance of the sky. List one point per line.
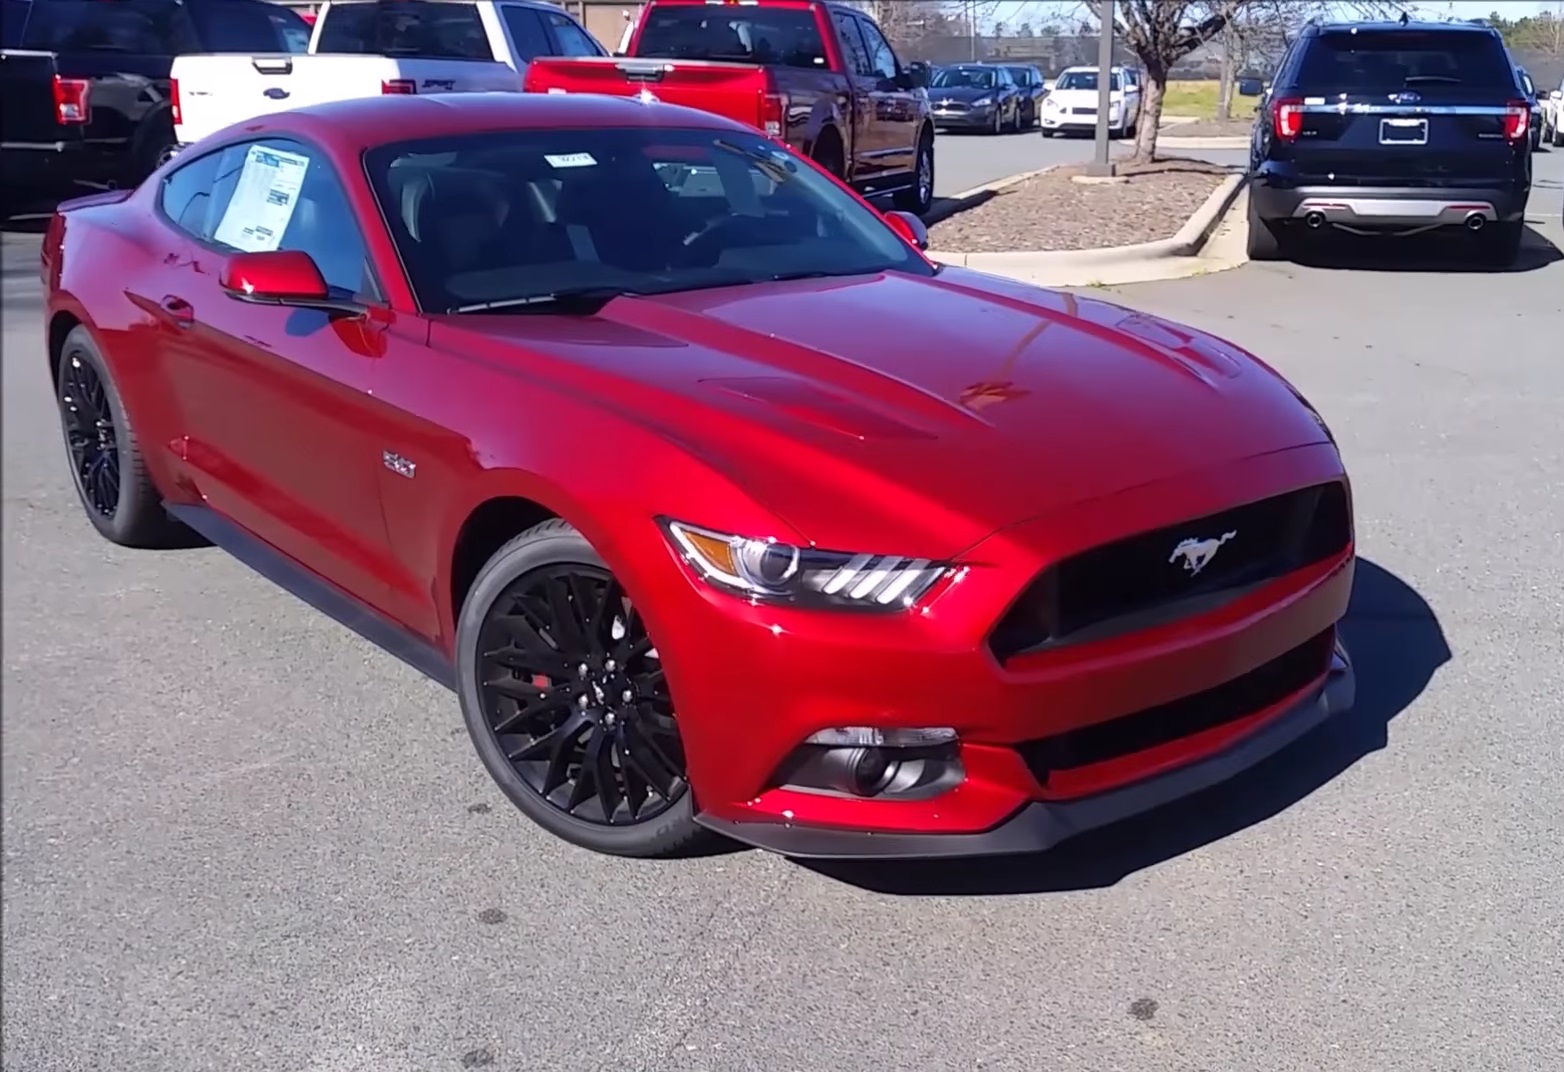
(1014, 12)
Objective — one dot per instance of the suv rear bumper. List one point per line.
(1372, 207)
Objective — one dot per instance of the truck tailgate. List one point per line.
(27, 95)
(734, 90)
(215, 91)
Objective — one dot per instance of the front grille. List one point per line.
(1083, 111)
(1268, 684)
(950, 106)
(1150, 578)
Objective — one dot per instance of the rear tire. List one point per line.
(1501, 243)
(110, 476)
(828, 154)
(1558, 133)
(1265, 237)
(566, 752)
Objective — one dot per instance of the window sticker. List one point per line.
(571, 160)
(263, 201)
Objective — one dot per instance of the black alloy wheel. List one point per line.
(574, 695)
(90, 436)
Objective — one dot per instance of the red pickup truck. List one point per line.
(817, 75)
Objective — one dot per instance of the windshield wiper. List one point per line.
(575, 300)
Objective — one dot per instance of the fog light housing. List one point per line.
(874, 737)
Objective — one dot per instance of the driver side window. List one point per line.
(273, 194)
(852, 44)
(881, 58)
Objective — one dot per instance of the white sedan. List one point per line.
(1072, 104)
(1552, 105)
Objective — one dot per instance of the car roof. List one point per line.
(1382, 26)
(362, 123)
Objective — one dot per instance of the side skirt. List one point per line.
(319, 593)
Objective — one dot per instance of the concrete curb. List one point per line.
(1057, 266)
(1224, 142)
(946, 207)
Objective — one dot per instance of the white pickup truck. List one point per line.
(1552, 105)
(363, 48)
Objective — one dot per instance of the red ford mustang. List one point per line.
(719, 506)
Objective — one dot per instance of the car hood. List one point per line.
(960, 93)
(933, 410)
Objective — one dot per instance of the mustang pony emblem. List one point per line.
(1197, 554)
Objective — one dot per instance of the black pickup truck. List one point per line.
(84, 84)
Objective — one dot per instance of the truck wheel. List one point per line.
(828, 154)
(919, 197)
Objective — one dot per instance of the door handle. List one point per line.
(181, 312)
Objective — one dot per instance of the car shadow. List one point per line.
(1418, 253)
(1396, 644)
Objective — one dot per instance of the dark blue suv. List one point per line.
(1392, 128)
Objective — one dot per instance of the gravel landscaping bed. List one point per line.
(1210, 128)
(1052, 212)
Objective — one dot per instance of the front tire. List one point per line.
(919, 198)
(565, 700)
(107, 468)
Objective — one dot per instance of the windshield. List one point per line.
(1385, 61)
(963, 78)
(1085, 80)
(780, 36)
(504, 216)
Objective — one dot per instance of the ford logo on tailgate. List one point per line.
(276, 93)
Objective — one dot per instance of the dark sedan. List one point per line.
(975, 96)
(1032, 88)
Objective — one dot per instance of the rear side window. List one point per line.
(428, 29)
(249, 28)
(777, 36)
(528, 38)
(1392, 60)
(137, 27)
(572, 39)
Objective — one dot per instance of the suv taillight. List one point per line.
(399, 86)
(1517, 120)
(70, 100)
(173, 101)
(773, 115)
(1287, 118)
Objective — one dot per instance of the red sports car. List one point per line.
(718, 504)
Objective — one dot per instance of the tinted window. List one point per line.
(1024, 76)
(572, 39)
(1389, 60)
(525, 213)
(527, 36)
(249, 27)
(782, 36)
(186, 196)
(140, 27)
(434, 29)
(881, 58)
(963, 78)
(852, 44)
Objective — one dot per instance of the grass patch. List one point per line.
(1199, 100)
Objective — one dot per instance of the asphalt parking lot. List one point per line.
(236, 837)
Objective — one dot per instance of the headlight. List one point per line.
(1050, 103)
(766, 569)
(983, 102)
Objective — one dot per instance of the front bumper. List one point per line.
(1062, 121)
(974, 119)
(1042, 824)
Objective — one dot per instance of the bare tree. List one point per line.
(1162, 32)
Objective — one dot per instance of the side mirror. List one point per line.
(1557, 94)
(917, 74)
(280, 277)
(1249, 87)
(909, 227)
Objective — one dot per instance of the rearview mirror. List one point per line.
(909, 227)
(280, 277)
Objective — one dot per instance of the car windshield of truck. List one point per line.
(425, 29)
(535, 220)
(776, 36)
(1384, 61)
(1086, 80)
(963, 78)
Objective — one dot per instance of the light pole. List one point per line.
(1102, 164)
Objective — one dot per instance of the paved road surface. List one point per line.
(962, 161)
(236, 838)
